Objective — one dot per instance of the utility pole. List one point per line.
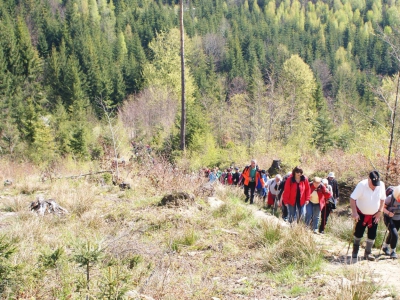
(392, 132)
(183, 100)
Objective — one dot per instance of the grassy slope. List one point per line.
(188, 252)
(192, 251)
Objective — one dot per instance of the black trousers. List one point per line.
(393, 226)
(360, 228)
(325, 212)
(251, 187)
(285, 211)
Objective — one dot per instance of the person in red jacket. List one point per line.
(296, 194)
(229, 177)
(318, 198)
(250, 178)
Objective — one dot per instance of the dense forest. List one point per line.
(262, 74)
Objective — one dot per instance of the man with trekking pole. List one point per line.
(367, 202)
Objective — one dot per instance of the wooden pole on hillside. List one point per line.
(183, 100)
(392, 132)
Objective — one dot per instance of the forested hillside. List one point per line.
(260, 75)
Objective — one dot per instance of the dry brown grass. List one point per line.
(191, 252)
(358, 285)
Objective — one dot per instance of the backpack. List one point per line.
(389, 191)
(229, 178)
(259, 183)
(391, 206)
(241, 179)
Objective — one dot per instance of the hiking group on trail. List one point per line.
(312, 201)
(293, 193)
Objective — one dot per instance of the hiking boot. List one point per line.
(315, 231)
(369, 256)
(322, 232)
(355, 251)
(393, 255)
(246, 200)
(386, 251)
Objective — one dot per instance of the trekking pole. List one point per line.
(384, 237)
(351, 238)
(273, 208)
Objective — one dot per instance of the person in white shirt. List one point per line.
(272, 187)
(366, 202)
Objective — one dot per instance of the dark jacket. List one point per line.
(235, 178)
(281, 187)
(333, 183)
(289, 196)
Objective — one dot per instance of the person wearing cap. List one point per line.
(392, 222)
(273, 186)
(296, 194)
(333, 183)
(318, 198)
(235, 176)
(366, 202)
(326, 210)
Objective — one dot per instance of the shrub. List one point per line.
(295, 247)
(360, 287)
(8, 276)
(107, 178)
(113, 283)
(271, 233)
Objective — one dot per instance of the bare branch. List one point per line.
(365, 115)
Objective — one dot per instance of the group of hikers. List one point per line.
(312, 201)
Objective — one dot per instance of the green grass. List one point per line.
(221, 211)
(271, 233)
(239, 214)
(188, 238)
(286, 275)
(380, 234)
(341, 227)
(298, 290)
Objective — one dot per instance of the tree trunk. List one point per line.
(183, 100)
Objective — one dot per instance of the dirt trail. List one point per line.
(384, 271)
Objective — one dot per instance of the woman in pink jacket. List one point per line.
(296, 194)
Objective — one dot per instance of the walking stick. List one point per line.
(274, 207)
(352, 236)
(384, 237)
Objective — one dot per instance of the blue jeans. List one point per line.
(295, 212)
(312, 213)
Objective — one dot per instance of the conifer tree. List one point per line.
(323, 130)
